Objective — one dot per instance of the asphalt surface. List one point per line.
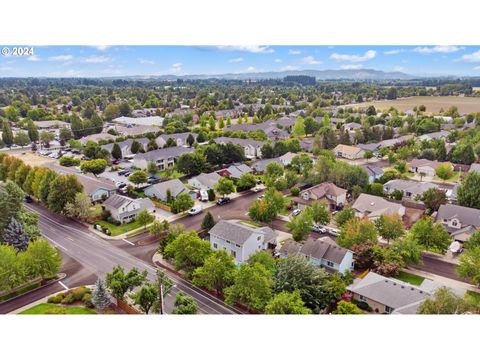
(99, 256)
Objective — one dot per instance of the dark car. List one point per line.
(28, 199)
(154, 179)
(223, 201)
(125, 172)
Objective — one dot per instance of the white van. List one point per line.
(203, 195)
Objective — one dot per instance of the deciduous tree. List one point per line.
(216, 273)
(287, 303)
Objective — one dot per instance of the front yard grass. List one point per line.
(410, 278)
(119, 229)
(57, 309)
(170, 174)
(473, 297)
(454, 178)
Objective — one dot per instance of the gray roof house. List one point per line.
(241, 240)
(236, 171)
(162, 157)
(322, 252)
(456, 217)
(97, 188)
(122, 208)
(251, 148)
(204, 181)
(375, 206)
(373, 147)
(260, 165)
(387, 295)
(374, 172)
(409, 188)
(179, 138)
(126, 145)
(159, 190)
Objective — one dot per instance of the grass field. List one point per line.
(473, 297)
(120, 229)
(57, 309)
(432, 103)
(410, 278)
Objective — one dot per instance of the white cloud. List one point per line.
(257, 49)
(445, 49)
(277, 60)
(33, 58)
(236, 60)
(294, 52)
(310, 60)
(289, 68)
(176, 68)
(145, 61)
(393, 52)
(476, 68)
(5, 68)
(370, 54)
(61, 58)
(102, 47)
(473, 57)
(97, 59)
(250, 69)
(398, 68)
(351, 66)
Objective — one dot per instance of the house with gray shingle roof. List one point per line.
(322, 252)
(179, 138)
(241, 240)
(126, 146)
(251, 148)
(387, 295)
(122, 208)
(456, 218)
(409, 188)
(204, 181)
(375, 206)
(164, 158)
(374, 172)
(159, 191)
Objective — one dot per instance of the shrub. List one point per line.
(69, 299)
(79, 292)
(66, 160)
(363, 305)
(87, 300)
(295, 191)
(56, 299)
(105, 215)
(113, 221)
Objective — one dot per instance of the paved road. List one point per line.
(99, 256)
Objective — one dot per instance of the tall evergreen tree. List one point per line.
(15, 235)
(100, 298)
(7, 134)
(116, 151)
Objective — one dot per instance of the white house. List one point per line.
(122, 208)
(426, 166)
(348, 152)
(322, 252)
(241, 240)
(180, 139)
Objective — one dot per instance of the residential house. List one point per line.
(322, 252)
(160, 190)
(180, 139)
(287, 158)
(51, 124)
(240, 239)
(409, 188)
(135, 130)
(122, 208)
(426, 166)
(435, 135)
(348, 152)
(97, 189)
(374, 172)
(375, 206)
(126, 146)
(459, 221)
(373, 147)
(335, 196)
(306, 144)
(387, 295)
(352, 126)
(204, 181)
(235, 171)
(396, 141)
(164, 158)
(260, 165)
(475, 168)
(252, 148)
(150, 120)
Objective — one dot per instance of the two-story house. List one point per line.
(240, 239)
(460, 221)
(334, 195)
(122, 208)
(322, 252)
(163, 158)
(251, 148)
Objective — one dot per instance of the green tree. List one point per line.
(252, 287)
(343, 216)
(11, 203)
(32, 131)
(119, 282)
(46, 137)
(208, 221)
(298, 128)
(431, 236)
(7, 134)
(188, 251)
(62, 191)
(144, 218)
(468, 193)
(444, 301)
(95, 166)
(190, 140)
(320, 213)
(116, 152)
(301, 225)
(158, 227)
(347, 308)
(301, 163)
(184, 305)
(80, 208)
(444, 171)
(469, 265)
(357, 231)
(224, 186)
(15, 235)
(138, 177)
(12, 272)
(146, 297)
(41, 260)
(217, 272)
(390, 227)
(44, 182)
(111, 112)
(100, 298)
(152, 168)
(247, 181)
(433, 198)
(182, 203)
(409, 249)
(135, 147)
(21, 138)
(192, 163)
(287, 303)
(264, 258)
(267, 209)
(368, 155)
(473, 241)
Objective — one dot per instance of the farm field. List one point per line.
(433, 103)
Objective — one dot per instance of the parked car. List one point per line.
(296, 212)
(195, 210)
(318, 228)
(223, 201)
(333, 232)
(120, 184)
(154, 179)
(28, 199)
(203, 195)
(123, 172)
(256, 189)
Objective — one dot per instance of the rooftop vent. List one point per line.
(372, 203)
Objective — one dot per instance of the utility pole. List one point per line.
(165, 285)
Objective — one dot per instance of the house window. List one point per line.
(259, 238)
(234, 254)
(330, 264)
(237, 245)
(388, 309)
(454, 223)
(215, 245)
(363, 298)
(228, 241)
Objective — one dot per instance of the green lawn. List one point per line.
(410, 278)
(170, 174)
(119, 229)
(57, 309)
(250, 223)
(473, 297)
(454, 178)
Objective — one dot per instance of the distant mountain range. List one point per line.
(363, 74)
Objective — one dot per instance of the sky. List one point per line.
(108, 61)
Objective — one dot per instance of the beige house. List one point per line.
(335, 196)
(375, 206)
(425, 166)
(348, 152)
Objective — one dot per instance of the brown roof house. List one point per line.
(375, 206)
(426, 166)
(322, 252)
(348, 152)
(335, 196)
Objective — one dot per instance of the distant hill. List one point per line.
(362, 74)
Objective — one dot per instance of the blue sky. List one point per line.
(104, 61)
